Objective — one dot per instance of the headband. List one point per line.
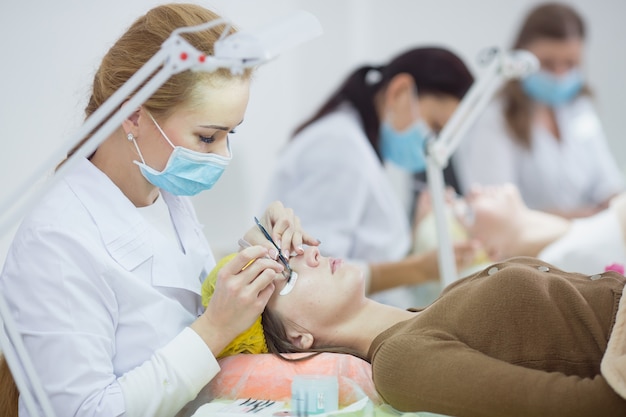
(251, 340)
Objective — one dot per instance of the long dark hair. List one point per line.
(278, 343)
(434, 71)
(549, 21)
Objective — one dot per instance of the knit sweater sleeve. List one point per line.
(439, 374)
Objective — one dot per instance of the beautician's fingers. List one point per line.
(424, 203)
(254, 236)
(291, 238)
(450, 195)
(240, 290)
(465, 253)
(282, 226)
(249, 264)
(475, 191)
(285, 228)
(263, 284)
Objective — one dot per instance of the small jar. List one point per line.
(314, 394)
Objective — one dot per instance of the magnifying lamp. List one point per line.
(503, 66)
(236, 52)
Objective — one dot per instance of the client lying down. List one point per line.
(505, 227)
(519, 338)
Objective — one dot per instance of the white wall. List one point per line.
(50, 50)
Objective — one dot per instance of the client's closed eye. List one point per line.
(291, 280)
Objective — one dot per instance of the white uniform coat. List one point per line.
(332, 178)
(577, 171)
(103, 300)
(589, 246)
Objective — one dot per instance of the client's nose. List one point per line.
(312, 256)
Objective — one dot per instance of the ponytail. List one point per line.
(358, 89)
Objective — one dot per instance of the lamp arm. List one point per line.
(170, 60)
(13, 347)
(504, 66)
(21, 367)
(467, 111)
(514, 64)
(236, 51)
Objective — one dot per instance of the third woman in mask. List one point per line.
(542, 133)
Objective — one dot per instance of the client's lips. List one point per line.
(334, 264)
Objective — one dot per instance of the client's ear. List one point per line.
(300, 339)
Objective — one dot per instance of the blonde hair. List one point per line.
(143, 40)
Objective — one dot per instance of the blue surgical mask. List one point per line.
(406, 148)
(187, 172)
(551, 89)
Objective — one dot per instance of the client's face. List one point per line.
(326, 291)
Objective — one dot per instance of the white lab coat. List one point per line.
(578, 171)
(589, 246)
(103, 300)
(332, 178)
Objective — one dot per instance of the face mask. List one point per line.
(405, 149)
(553, 90)
(187, 172)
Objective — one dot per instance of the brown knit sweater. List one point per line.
(520, 338)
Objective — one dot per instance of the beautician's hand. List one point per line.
(417, 268)
(243, 287)
(464, 255)
(424, 203)
(284, 227)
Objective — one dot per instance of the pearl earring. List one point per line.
(130, 137)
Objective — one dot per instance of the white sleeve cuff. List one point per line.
(172, 377)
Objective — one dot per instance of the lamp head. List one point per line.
(244, 49)
(519, 64)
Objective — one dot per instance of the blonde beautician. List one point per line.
(104, 275)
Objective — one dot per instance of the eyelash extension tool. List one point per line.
(291, 280)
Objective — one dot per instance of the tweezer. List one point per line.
(282, 259)
(291, 281)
